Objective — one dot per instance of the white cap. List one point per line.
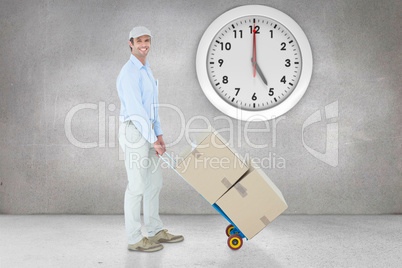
(139, 31)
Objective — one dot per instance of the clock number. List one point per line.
(271, 91)
(227, 46)
(287, 63)
(225, 79)
(220, 62)
(283, 80)
(254, 97)
(283, 46)
(257, 29)
(272, 33)
(237, 89)
(241, 33)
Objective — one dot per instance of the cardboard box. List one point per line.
(211, 166)
(253, 202)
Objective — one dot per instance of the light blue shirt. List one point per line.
(138, 93)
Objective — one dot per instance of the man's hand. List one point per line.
(160, 139)
(160, 146)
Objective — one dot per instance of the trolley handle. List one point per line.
(171, 158)
(167, 162)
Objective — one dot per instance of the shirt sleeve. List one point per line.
(132, 101)
(158, 128)
(157, 125)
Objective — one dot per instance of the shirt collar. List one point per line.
(137, 62)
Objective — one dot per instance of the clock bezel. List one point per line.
(237, 112)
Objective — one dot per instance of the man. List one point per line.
(140, 136)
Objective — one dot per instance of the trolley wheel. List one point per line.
(235, 242)
(229, 229)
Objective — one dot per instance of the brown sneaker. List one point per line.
(145, 245)
(164, 237)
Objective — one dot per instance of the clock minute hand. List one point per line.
(254, 52)
(254, 59)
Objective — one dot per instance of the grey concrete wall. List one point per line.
(57, 56)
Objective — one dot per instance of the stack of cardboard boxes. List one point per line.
(240, 188)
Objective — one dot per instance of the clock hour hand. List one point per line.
(259, 71)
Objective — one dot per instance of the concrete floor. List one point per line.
(289, 241)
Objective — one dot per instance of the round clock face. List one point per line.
(230, 63)
(254, 63)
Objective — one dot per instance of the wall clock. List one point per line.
(254, 63)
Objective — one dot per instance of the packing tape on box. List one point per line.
(241, 189)
(226, 183)
(265, 220)
(196, 153)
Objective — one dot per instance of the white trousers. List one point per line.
(144, 183)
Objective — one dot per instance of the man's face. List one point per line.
(141, 46)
